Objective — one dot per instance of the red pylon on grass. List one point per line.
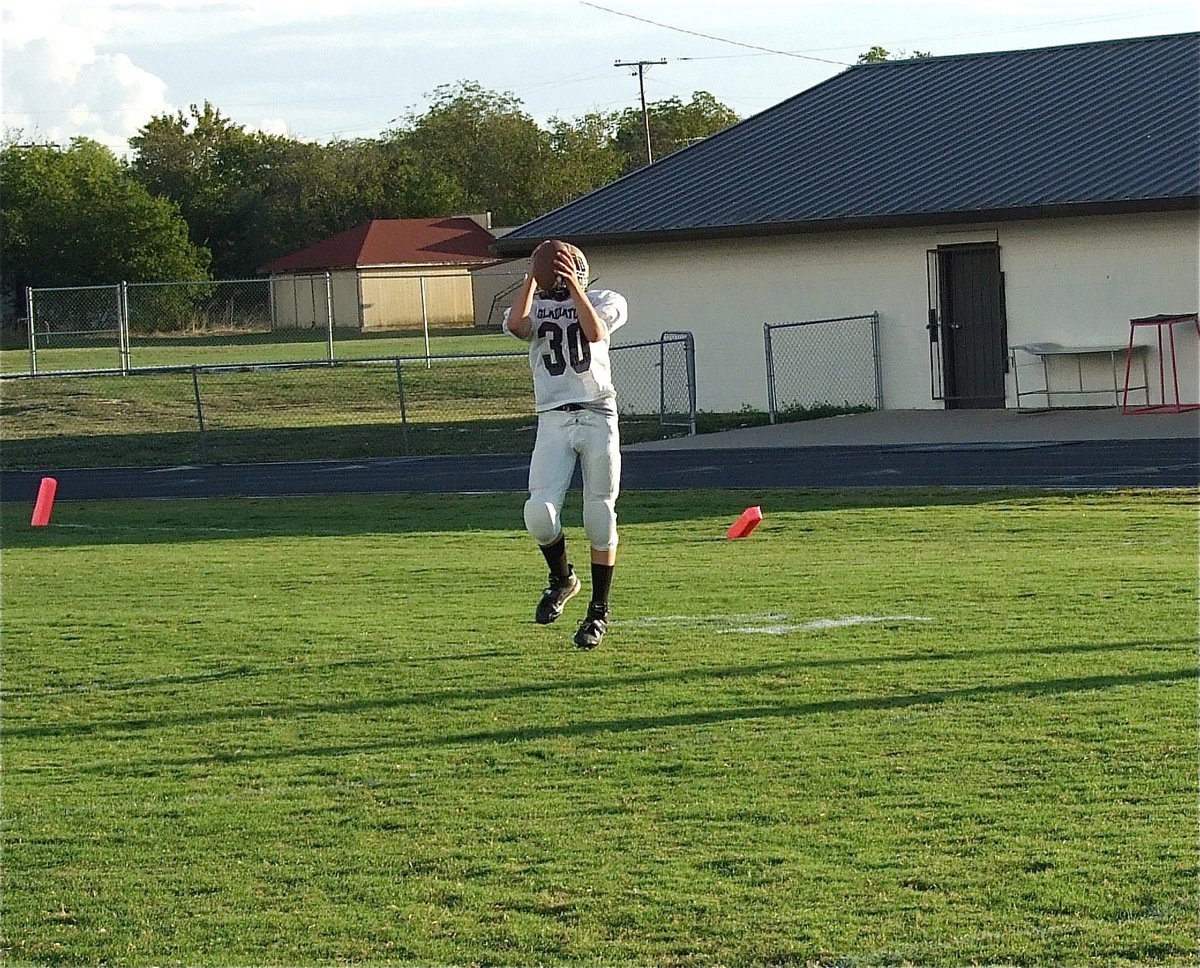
(745, 524)
(45, 502)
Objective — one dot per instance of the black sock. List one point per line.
(601, 583)
(556, 556)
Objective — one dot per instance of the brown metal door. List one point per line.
(967, 326)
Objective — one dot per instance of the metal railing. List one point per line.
(366, 407)
(823, 363)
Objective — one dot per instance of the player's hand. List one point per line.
(564, 265)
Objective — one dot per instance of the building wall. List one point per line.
(347, 312)
(302, 301)
(1080, 281)
(391, 298)
(493, 291)
(1074, 281)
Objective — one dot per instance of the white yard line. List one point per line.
(653, 620)
(767, 623)
(825, 623)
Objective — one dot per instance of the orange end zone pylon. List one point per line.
(745, 524)
(45, 502)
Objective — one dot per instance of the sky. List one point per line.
(321, 70)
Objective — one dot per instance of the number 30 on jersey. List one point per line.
(571, 340)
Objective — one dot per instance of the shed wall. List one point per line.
(300, 301)
(391, 298)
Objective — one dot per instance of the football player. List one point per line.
(568, 327)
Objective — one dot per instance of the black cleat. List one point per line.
(591, 632)
(557, 594)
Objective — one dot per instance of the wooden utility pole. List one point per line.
(641, 66)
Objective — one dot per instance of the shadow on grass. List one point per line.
(681, 720)
(797, 710)
(261, 445)
(176, 518)
(439, 698)
(233, 673)
(355, 441)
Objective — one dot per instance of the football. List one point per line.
(542, 262)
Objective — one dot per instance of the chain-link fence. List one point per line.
(230, 321)
(171, 324)
(281, 319)
(294, 411)
(657, 379)
(73, 324)
(823, 364)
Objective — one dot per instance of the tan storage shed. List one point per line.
(386, 274)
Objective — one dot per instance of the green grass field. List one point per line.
(237, 348)
(890, 728)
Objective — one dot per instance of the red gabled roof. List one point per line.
(391, 242)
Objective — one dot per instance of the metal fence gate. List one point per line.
(662, 382)
(819, 363)
(74, 318)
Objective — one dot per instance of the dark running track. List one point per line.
(1170, 462)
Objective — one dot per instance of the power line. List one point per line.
(723, 40)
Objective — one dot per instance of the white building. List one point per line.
(977, 203)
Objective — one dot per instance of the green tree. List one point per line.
(674, 124)
(385, 179)
(878, 54)
(253, 197)
(311, 191)
(213, 169)
(485, 145)
(585, 158)
(76, 216)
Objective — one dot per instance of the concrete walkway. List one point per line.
(971, 427)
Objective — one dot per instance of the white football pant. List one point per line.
(564, 437)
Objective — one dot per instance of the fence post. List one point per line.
(329, 309)
(662, 378)
(200, 414)
(690, 350)
(403, 407)
(425, 323)
(878, 360)
(32, 331)
(123, 326)
(770, 373)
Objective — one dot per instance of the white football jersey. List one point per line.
(566, 367)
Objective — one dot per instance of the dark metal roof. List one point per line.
(1111, 126)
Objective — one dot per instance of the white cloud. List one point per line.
(103, 68)
(57, 84)
(276, 126)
